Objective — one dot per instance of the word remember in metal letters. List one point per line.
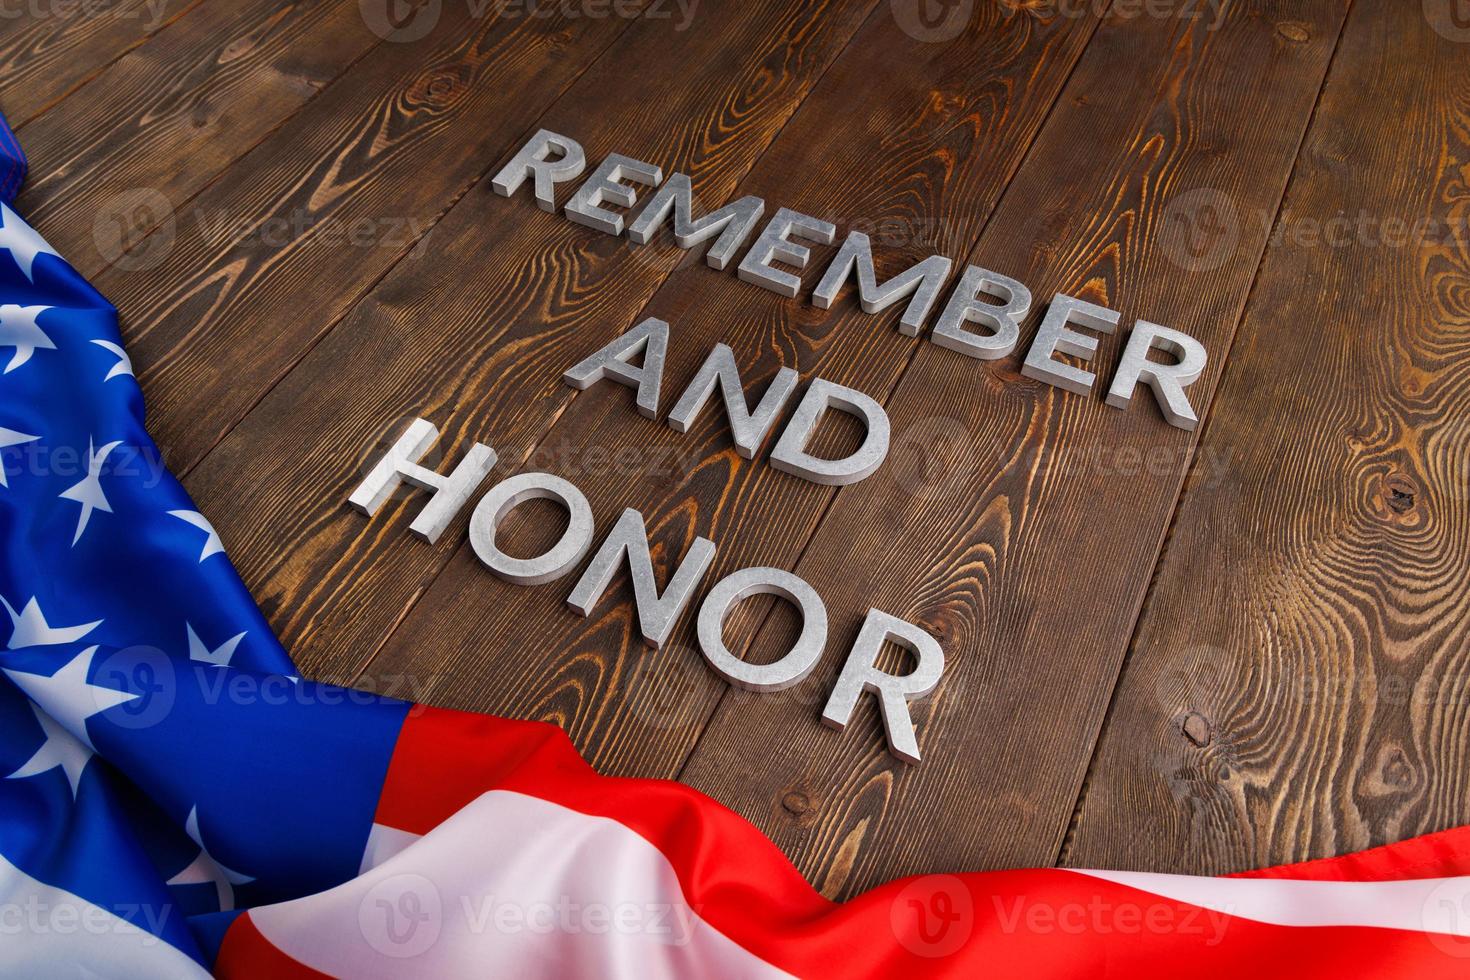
(987, 299)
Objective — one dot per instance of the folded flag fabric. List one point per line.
(175, 802)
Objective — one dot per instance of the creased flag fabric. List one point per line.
(175, 802)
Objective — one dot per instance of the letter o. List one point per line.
(797, 663)
(502, 499)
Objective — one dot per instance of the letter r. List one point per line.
(860, 673)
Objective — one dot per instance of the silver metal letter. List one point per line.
(924, 280)
(652, 338)
(502, 499)
(790, 455)
(1167, 380)
(603, 186)
(860, 673)
(965, 306)
(1054, 336)
(733, 222)
(656, 613)
(797, 663)
(532, 162)
(773, 244)
(747, 428)
(401, 463)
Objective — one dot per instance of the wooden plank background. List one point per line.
(1166, 650)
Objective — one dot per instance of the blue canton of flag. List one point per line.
(140, 808)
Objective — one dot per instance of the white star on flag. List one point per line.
(10, 437)
(89, 493)
(219, 656)
(204, 869)
(60, 750)
(124, 366)
(212, 545)
(67, 696)
(22, 241)
(32, 630)
(18, 329)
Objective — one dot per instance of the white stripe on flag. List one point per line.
(48, 932)
(383, 842)
(1438, 905)
(515, 884)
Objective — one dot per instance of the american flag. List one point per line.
(175, 801)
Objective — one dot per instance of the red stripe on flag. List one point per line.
(1034, 924)
(1441, 855)
(247, 955)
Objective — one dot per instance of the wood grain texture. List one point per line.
(938, 143)
(474, 332)
(1296, 683)
(129, 149)
(1017, 522)
(48, 49)
(1299, 682)
(220, 303)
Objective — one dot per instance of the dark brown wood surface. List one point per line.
(160, 123)
(1298, 682)
(595, 677)
(1166, 650)
(48, 49)
(1026, 558)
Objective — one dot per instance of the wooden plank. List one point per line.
(1298, 682)
(214, 303)
(51, 48)
(132, 146)
(475, 337)
(1027, 543)
(943, 128)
